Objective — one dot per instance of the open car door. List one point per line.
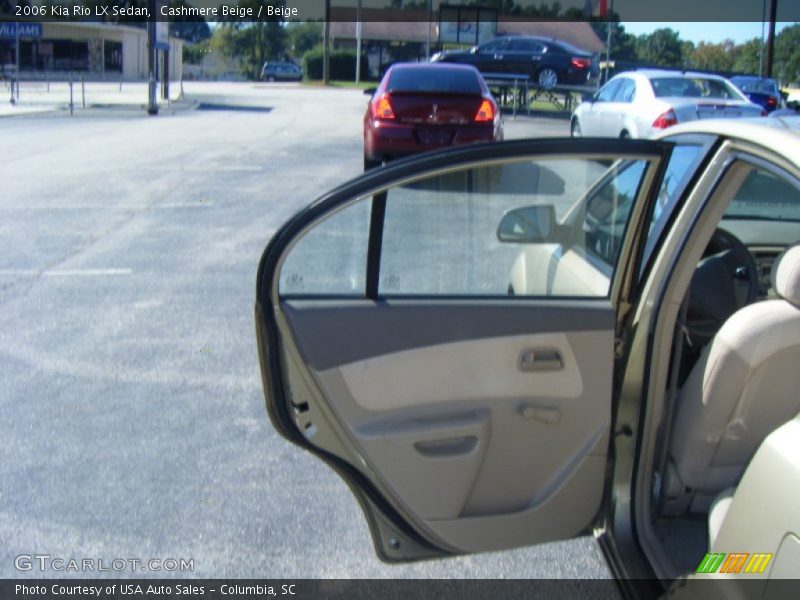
(466, 413)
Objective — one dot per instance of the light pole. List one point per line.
(152, 103)
(428, 43)
(326, 36)
(15, 83)
(761, 49)
(358, 42)
(608, 40)
(773, 8)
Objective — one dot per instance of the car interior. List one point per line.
(733, 381)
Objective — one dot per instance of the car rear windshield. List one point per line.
(759, 86)
(692, 87)
(433, 79)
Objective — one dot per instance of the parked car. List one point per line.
(762, 91)
(639, 104)
(548, 62)
(422, 106)
(638, 381)
(281, 71)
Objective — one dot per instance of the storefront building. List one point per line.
(93, 50)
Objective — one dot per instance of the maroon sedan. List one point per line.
(425, 106)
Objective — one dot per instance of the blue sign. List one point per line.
(27, 31)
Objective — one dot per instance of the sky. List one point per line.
(706, 32)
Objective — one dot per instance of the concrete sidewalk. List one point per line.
(43, 96)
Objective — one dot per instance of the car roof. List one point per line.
(436, 65)
(538, 38)
(781, 135)
(544, 40)
(750, 78)
(654, 73)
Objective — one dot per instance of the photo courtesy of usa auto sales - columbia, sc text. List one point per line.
(135, 589)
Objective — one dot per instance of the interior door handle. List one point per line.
(540, 359)
(548, 415)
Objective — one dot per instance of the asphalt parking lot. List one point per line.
(134, 423)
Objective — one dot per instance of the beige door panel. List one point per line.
(472, 444)
(458, 371)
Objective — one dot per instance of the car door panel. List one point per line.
(596, 119)
(456, 427)
(482, 422)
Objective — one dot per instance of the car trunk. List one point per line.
(767, 100)
(435, 109)
(436, 117)
(692, 109)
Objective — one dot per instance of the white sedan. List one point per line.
(639, 104)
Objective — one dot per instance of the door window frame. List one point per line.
(375, 184)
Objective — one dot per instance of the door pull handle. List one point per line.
(537, 360)
(551, 416)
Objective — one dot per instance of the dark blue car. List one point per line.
(760, 90)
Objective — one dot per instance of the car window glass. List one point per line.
(759, 86)
(607, 92)
(433, 79)
(441, 234)
(765, 197)
(331, 258)
(608, 209)
(626, 91)
(693, 87)
(683, 163)
(493, 46)
(525, 46)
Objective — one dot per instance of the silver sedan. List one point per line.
(639, 104)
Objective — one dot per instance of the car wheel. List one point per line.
(575, 129)
(547, 78)
(371, 164)
(271, 78)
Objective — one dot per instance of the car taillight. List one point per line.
(382, 109)
(666, 119)
(485, 112)
(772, 101)
(581, 63)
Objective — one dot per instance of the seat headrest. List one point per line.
(786, 275)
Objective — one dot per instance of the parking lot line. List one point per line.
(63, 272)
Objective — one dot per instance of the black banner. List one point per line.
(395, 10)
(246, 589)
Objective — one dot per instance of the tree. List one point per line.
(787, 54)
(623, 44)
(303, 36)
(713, 57)
(662, 47)
(189, 28)
(194, 53)
(252, 43)
(747, 57)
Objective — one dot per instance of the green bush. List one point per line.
(342, 64)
